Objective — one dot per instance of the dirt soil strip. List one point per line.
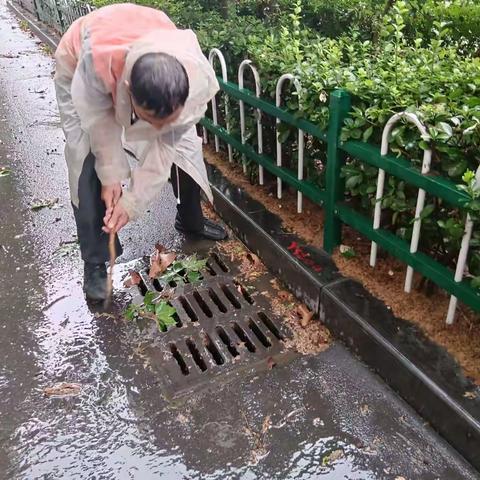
(461, 340)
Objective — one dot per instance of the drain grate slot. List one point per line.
(226, 341)
(220, 263)
(201, 302)
(241, 289)
(230, 296)
(243, 337)
(212, 349)
(178, 357)
(217, 301)
(259, 334)
(210, 269)
(177, 319)
(143, 288)
(270, 325)
(188, 309)
(196, 354)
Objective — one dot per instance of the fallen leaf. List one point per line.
(283, 295)
(254, 259)
(104, 315)
(160, 248)
(336, 455)
(470, 395)
(45, 204)
(4, 172)
(159, 262)
(267, 423)
(66, 248)
(182, 419)
(134, 279)
(9, 55)
(305, 315)
(365, 410)
(63, 389)
(333, 457)
(270, 363)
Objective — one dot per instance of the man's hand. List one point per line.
(117, 220)
(110, 195)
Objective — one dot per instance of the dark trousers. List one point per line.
(91, 210)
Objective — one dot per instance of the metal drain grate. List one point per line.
(221, 330)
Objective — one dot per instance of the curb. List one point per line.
(425, 375)
(421, 372)
(37, 30)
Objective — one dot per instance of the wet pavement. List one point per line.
(325, 416)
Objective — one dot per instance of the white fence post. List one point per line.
(258, 92)
(301, 138)
(427, 157)
(215, 52)
(462, 257)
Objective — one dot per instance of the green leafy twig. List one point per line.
(182, 271)
(160, 311)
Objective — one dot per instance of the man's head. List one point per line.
(159, 88)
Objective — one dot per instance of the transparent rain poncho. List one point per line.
(94, 61)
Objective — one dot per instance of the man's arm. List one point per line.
(94, 106)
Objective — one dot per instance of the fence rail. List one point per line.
(59, 14)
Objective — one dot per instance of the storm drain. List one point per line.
(222, 329)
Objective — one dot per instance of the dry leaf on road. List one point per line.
(45, 204)
(305, 315)
(267, 423)
(63, 389)
(283, 295)
(333, 457)
(270, 363)
(160, 261)
(133, 279)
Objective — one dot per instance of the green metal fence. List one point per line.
(60, 14)
(331, 198)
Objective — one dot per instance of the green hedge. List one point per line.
(393, 67)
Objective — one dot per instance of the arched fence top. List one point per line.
(216, 53)
(241, 73)
(410, 117)
(281, 81)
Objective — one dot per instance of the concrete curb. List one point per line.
(421, 372)
(37, 30)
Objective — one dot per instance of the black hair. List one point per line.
(159, 83)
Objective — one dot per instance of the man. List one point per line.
(127, 80)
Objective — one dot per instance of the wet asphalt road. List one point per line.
(120, 427)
